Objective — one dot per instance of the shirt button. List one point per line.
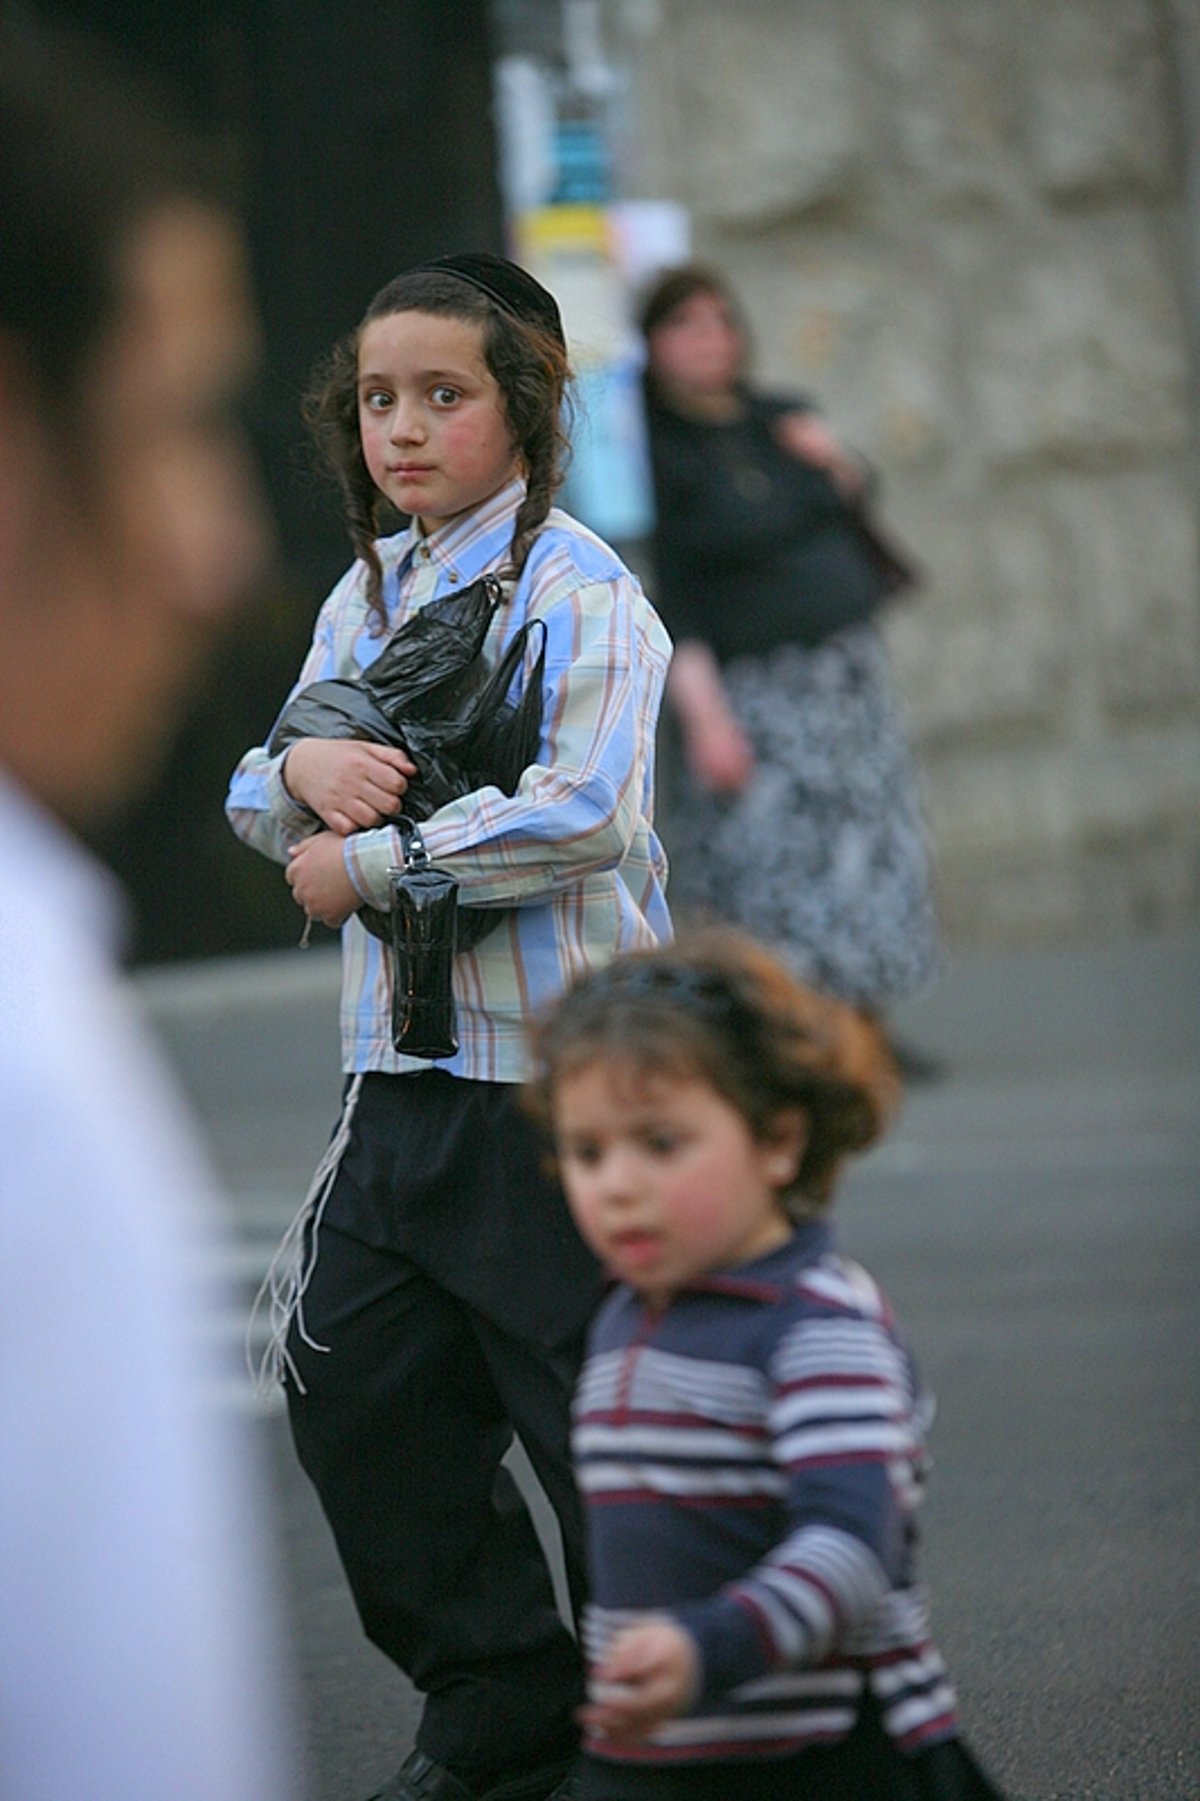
(454, 576)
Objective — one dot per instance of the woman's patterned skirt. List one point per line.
(825, 855)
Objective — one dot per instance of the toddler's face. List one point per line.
(665, 1179)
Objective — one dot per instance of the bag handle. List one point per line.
(412, 844)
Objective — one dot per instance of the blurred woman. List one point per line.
(798, 815)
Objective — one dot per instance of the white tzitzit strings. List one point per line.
(291, 1268)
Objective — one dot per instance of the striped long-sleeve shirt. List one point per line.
(572, 854)
(751, 1459)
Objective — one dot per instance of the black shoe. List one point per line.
(546, 1784)
(421, 1778)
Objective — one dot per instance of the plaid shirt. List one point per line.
(572, 854)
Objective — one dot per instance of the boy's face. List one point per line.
(665, 1179)
(435, 435)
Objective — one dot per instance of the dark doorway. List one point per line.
(361, 134)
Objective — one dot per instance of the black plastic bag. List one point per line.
(424, 919)
(431, 694)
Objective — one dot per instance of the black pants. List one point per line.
(414, 1403)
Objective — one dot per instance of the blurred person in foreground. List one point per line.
(798, 815)
(138, 1659)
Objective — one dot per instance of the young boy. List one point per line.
(749, 1426)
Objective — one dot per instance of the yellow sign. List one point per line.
(570, 250)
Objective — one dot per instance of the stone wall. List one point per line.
(963, 226)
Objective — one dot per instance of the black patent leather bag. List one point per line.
(424, 935)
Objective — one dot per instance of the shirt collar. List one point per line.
(476, 541)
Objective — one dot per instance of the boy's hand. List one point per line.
(350, 785)
(316, 875)
(650, 1675)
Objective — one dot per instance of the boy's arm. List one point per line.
(576, 808)
(260, 807)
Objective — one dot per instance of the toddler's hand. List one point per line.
(350, 785)
(650, 1675)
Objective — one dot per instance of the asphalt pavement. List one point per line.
(1035, 1219)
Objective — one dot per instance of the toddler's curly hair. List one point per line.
(719, 1006)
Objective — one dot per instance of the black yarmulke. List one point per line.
(506, 283)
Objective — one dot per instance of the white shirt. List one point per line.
(139, 1656)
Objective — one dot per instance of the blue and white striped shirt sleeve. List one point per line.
(841, 1427)
(259, 807)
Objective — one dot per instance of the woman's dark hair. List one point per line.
(720, 1007)
(87, 155)
(673, 287)
(531, 369)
